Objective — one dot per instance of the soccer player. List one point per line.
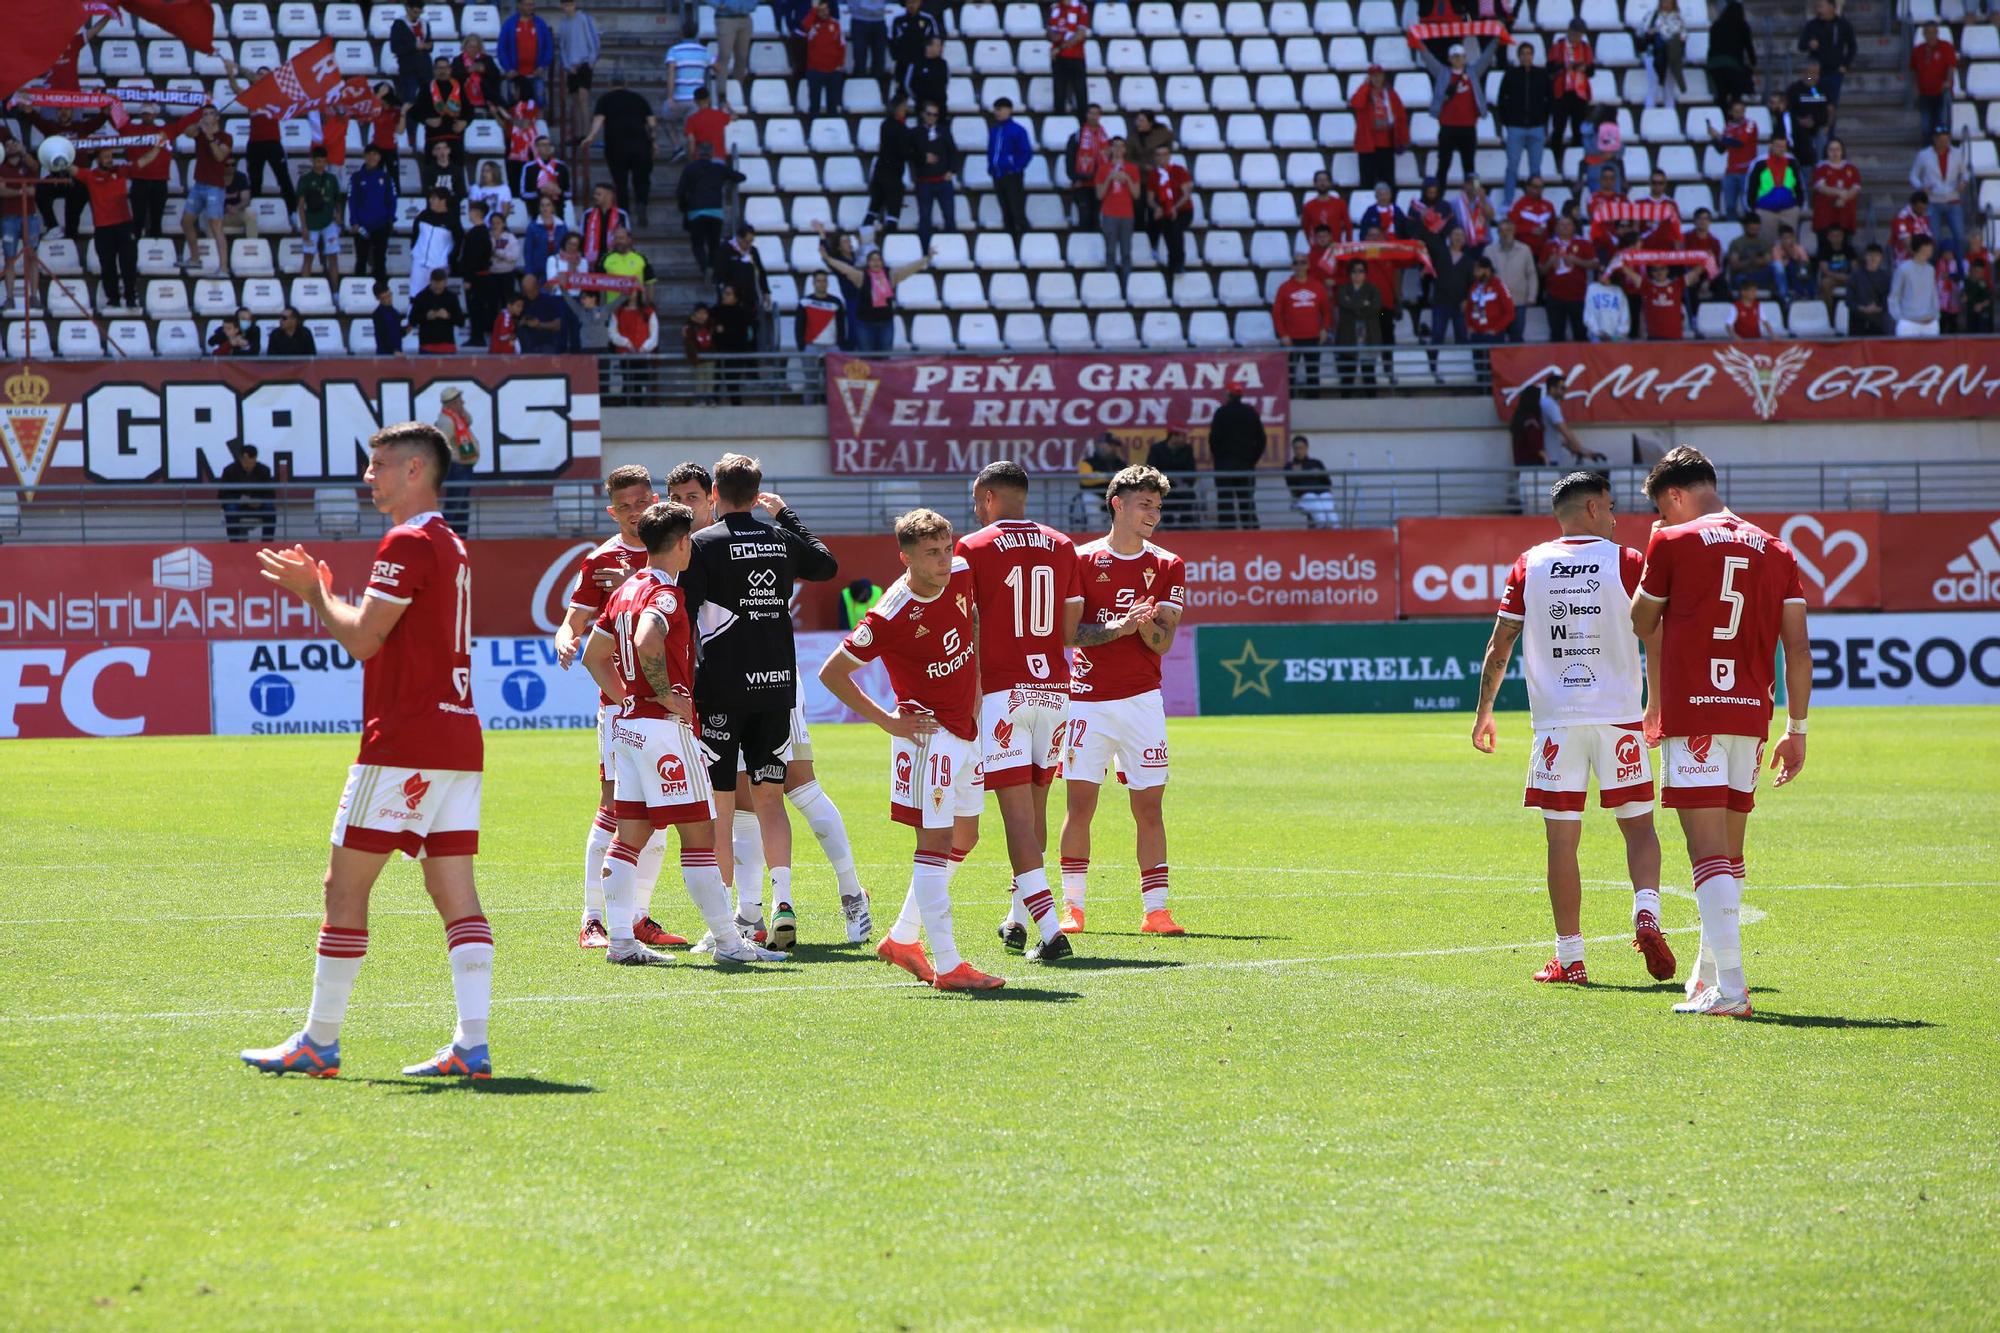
(1563, 601)
(1723, 594)
(739, 587)
(689, 484)
(641, 653)
(1027, 598)
(630, 491)
(922, 631)
(1133, 596)
(414, 788)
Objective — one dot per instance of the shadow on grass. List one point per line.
(1079, 963)
(1836, 1021)
(834, 953)
(524, 1086)
(1190, 935)
(1019, 994)
(1650, 988)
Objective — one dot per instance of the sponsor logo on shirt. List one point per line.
(1577, 676)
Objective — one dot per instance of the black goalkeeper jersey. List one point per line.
(739, 587)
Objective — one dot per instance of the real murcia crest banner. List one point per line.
(29, 425)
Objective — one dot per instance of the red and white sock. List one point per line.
(704, 887)
(334, 969)
(621, 883)
(1034, 902)
(602, 830)
(1719, 895)
(1153, 888)
(650, 861)
(931, 885)
(910, 921)
(468, 942)
(1075, 870)
(1740, 870)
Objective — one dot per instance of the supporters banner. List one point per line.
(1853, 379)
(1458, 566)
(1395, 667)
(129, 423)
(1906, 659)
(117, 689)
(1232, 576)
(213, 590)
(915, 415)
(310, 687)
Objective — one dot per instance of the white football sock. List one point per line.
(909, 921)
(1033, 902)
(335, 966)
(781, 888)
(649, 874)
(1075, 870)
(822, 816)
(1153, 888)
(1569, 949)
(746, 842)
(931, 884)
(1645, 900)
(1720, 897)
(595, 846)
(621, 879)
(470, 941)
(705, 889)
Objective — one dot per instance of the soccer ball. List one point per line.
(56, 153)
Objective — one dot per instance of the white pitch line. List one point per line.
(1053, 975)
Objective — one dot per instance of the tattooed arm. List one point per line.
(1498, 649)
(1159, 631)
(1093, 636)
(649, 644)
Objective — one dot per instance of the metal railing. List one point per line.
(1203, 499)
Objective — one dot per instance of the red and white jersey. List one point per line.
(1112, 585)
(927, 646)
(416, 693)
(1725, 583)
(1573, 597)
(1023, 576)
(588, 594)
(648, 590)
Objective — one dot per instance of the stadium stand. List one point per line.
(1255, 96)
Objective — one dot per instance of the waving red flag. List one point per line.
(304, 83)
(42, 32)
(193, 21)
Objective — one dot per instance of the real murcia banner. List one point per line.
(133, 423)
(1852, 379)
(916, 415)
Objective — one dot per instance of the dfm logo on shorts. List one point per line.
(673, 775)
(1628, 751)
(903, 774)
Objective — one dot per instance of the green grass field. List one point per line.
(1338, 1102)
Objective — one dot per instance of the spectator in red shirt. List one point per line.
(1325, 209)
(1911, 223)
(707, 125)
(1534, 217)
(1571, 63)
(1170, 192)
(1737, 140)
(116, 238)
(208, 190)
(1749, 321)
(826, 61)
(1117, 206)
(267, 148)
(1458, 101)
(1933, 61)
(1489, 308)
(1836, 190)
(1303, 316)
(1699, 284)
(1381, 127)
(1069, 29)
(150, 172)
(1663, 300)
(1567, 263)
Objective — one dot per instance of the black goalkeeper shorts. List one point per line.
(763, 737)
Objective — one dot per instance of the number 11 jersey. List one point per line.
(416, 693)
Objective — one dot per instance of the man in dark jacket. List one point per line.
(701, 194)
(742, 268)
(933, 170)
(930, 77)
(436, 316)
(247, 504)
(475, 263)
(388, 321)
(1522, 111)
(410, 43)
(1868, 296)
(1236, 443)
(1829, 38)
(910, 35)
(371, 212)
(544, 321)
(1174, 457)
(892, 161)
(1812, 115)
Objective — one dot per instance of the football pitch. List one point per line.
(1338, 1102)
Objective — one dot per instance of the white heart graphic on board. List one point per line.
(1844, 538)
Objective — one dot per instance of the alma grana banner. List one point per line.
(917, 415)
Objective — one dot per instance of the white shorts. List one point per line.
(419, 812)
(605, 714)
(658, 772)
(1133, 732)
(1022, 733)
(1560, 765)
(935, 780)
(802, 742)
(325, 241)
(1708, 772)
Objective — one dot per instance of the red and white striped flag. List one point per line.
(303, 83)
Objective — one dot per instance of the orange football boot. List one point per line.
(1555, 971)
(1072, 920)
(967, 977)
(648, 931)
(1161, 922)
(909, 957)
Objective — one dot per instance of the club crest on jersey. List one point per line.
(1147, 575)
(937, 798)
(862, 635)
(667, 600)
(961, 604)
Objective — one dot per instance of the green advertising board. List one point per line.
(1388, 667)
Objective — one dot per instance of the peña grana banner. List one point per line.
(916, 415)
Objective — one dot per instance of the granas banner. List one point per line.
(1458, 566)
(135, 422)
(911, 416)
(1855, 379)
